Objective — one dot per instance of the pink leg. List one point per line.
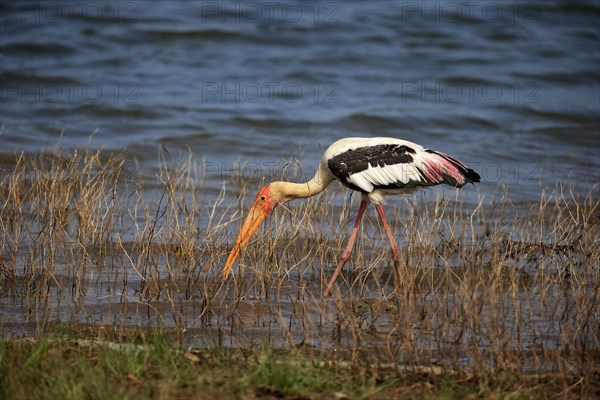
(393, 246)
(348, 250)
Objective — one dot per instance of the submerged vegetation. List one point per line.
(490, 294)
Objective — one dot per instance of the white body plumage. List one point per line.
(382, 166)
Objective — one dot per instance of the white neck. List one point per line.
(288, 191)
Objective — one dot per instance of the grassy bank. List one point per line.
(148, 364)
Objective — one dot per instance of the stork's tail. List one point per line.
(452, 171)
(471, 176)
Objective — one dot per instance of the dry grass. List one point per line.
(493, 288)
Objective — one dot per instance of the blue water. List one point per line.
(510, 88)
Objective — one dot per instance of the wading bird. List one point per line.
(375, 167)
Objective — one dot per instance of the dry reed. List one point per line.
(490, 289)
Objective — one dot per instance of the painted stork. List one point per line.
(375, 167)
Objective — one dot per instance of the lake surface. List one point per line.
(510, 88)
(252, 90)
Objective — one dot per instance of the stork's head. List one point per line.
(267, 198)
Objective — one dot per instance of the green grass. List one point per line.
(151, 365)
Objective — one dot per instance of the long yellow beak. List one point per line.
(257, 214)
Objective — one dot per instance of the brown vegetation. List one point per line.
(494, 289)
